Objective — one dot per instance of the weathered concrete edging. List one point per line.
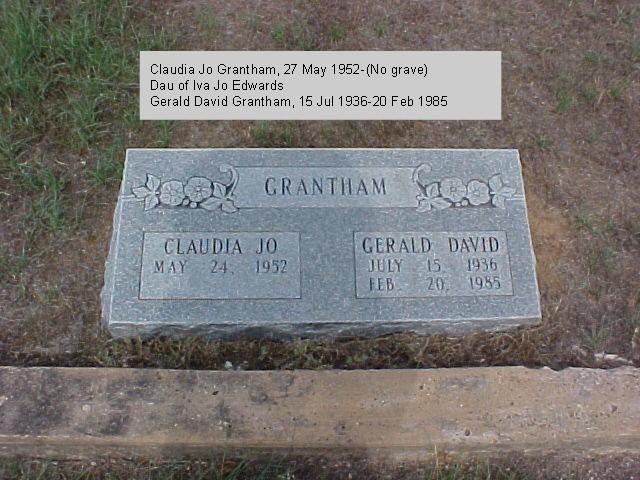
(410, 414)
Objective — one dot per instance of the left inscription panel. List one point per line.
(220, 265)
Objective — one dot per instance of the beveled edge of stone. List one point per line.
(106, 292)
(289, 331)
(538, 317)
(381, 414)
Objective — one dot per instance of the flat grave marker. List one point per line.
(229, 242)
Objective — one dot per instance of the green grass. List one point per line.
(356, 360)
(589, 93)
(593, 136)
(43, 193)
(622, 15)
(601, 259)
(278, 33)
(71, 57)
(542, 141)
(596, 338)
(593, 57)
(209, 22)
(293, 35)
(11, 149)
(47, 294)
(164, 127)
(564, 97)
(269, 135)
(303, 352)
(380, 28)
(602, 247)
(616, 92)
(254, 22)
(68, 73)
(337, 33)
(84, 118)
(22, 43)
(109, 164)
(10, 268)
(586, 220)
(46, 212)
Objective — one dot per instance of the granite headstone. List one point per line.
(229, 242)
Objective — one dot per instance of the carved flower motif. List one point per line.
(199, 192)
(172, 193)
(198, 188)
(430, 199)
(220, 199)
(499, 191)
(453, 189)
(149, 192)
(477, 192)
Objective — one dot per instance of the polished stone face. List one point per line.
(283, 242)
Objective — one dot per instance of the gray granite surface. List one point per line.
(305, 242)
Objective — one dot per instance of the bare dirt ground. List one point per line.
(571, 105)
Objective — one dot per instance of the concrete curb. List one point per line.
(403, 414)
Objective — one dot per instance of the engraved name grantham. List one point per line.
(288, 186)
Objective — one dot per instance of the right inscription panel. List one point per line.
(431, 264)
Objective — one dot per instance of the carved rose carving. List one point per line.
(453, 192)
(196, 192)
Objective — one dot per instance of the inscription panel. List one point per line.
(429, 264)
(220, 265)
